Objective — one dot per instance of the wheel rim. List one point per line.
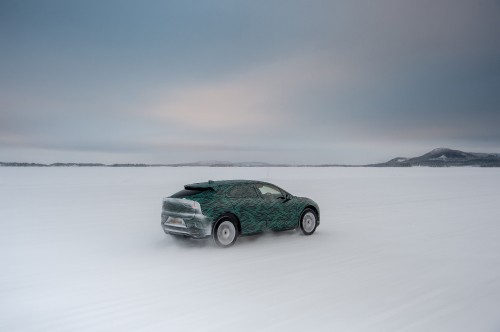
(226, 233)
(308, 222)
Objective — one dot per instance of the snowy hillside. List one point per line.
(444, 157)
(413, 249)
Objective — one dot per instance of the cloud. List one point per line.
(252, 100)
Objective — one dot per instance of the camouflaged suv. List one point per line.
(228, 209)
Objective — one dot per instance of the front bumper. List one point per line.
(197, 226)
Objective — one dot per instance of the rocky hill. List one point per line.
(444, 157)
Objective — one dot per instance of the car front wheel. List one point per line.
(308, 221)
(225, 232)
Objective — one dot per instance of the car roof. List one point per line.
(221, 183)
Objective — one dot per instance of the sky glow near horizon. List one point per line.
(301, 82)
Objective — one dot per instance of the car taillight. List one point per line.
(196, 206)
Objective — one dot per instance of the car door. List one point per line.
(247, 204)
(276, 209)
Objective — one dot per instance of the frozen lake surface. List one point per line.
(398, 249)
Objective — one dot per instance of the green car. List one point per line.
(228, 209)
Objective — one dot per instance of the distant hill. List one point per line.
(17, 164)
(441, 157)
(209, 163)
(444, 157)
(218, 163)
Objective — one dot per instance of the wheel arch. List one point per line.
(315, 209)
(312, 207)
(230, 215)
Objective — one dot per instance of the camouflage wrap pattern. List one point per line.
(255, 214)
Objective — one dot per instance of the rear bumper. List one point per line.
(198, 226)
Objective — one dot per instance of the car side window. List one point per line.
(269, 191)
(242, 192)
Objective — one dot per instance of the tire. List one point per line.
(308, 221)
(225, 232)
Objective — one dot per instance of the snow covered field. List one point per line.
(398, 249)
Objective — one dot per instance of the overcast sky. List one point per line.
(275, 81)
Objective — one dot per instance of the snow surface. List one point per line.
(398, 249)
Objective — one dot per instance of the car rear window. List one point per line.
(187, 193)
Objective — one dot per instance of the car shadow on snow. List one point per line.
(266, 237)
(187, 242)
(256, 239)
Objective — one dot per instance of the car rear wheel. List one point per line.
(308, 221)
(225, 232)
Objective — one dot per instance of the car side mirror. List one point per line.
(285, 198)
